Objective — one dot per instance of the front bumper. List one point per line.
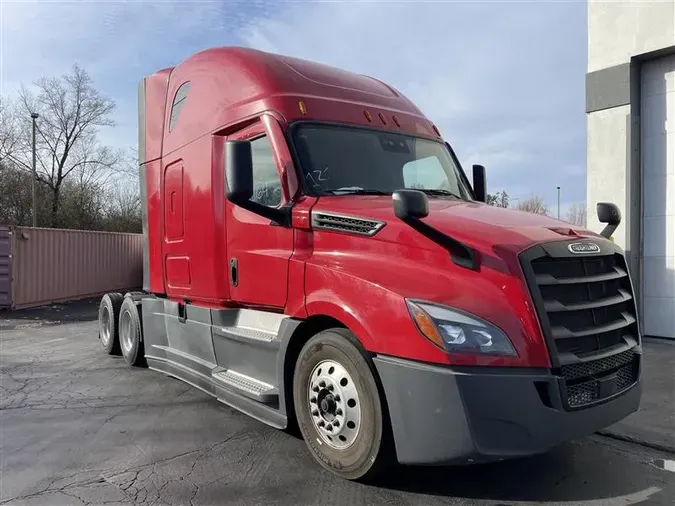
(445, 415)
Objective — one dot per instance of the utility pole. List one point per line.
(35, 116)
(558, 188)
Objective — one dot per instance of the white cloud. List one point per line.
(504, 81)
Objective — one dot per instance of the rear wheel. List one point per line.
(131, 341)
(108, 317)
(338, 406)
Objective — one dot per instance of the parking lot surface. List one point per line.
(79, 427)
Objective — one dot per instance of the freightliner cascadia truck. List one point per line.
(315, 256)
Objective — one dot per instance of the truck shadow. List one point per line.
(85, 310)
(583, 472)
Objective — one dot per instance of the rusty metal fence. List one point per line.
(43, 265)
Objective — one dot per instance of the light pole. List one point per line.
(35, 116)
(558, 188)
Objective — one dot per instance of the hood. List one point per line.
(478, 225)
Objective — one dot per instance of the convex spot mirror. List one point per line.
(410, 204)
(608, 213)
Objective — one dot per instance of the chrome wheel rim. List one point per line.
(334, 404)
(105, 326)
(125, 331)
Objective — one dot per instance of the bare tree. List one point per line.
(533, 204)
(71, 112)
(498, 199)
(9, 131)
(577, 214)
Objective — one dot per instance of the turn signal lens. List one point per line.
(426, 326)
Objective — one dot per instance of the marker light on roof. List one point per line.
(367, 115)
(303, 109)
(384, 121)
(398, 124)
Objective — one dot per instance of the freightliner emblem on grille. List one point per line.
(580, 248)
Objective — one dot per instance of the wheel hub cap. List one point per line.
(125, 332)
(105, 326)
(334, 404)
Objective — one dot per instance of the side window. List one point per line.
(178, 102)
(425, 173)
(266, 182)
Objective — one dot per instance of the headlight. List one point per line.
(457, 331)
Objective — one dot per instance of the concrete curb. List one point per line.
(636, 440)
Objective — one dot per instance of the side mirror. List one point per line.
(479, 183)
(239, 183)
(238, 171)
(609, 213)
(410, 204)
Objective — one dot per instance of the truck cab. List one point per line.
(316, 257)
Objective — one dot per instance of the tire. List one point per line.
(359, 447)
(108, 317)
(130, 331)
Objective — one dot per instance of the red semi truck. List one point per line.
(315, 256)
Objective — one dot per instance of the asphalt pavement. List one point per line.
(78, 427)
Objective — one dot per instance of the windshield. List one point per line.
(339, 160)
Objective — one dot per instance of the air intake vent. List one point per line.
(347, 224)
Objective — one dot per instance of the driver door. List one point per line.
(259, 251)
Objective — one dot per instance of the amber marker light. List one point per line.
(303, 108)
(426, 325)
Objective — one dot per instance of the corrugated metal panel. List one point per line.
(5, 267)
(52, 265)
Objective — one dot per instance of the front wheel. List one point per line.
(338, 406)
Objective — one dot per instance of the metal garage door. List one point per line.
(658, 171)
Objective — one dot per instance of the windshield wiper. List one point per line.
(357, 190)
(440, 192)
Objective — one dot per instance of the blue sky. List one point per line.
(504, 81)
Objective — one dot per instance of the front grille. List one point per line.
(586, 309)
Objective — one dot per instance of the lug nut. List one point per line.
(315, 388)
(338, 411)
(313, 400)
(336, 423)
(329, 427)
(322, 384)
(330, 387)
(321, 423)
(337, 398)
(315, 413)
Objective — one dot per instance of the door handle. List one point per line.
(182, 313)
(234, 272)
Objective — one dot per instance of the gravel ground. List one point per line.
(80, 427)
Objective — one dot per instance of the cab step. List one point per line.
(247, 386)
(248, 333)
